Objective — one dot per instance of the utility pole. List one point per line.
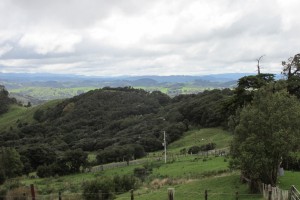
(165, 146)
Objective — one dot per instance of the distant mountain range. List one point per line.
(37, 88)
(23, 77)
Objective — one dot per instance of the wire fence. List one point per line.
(170, 194)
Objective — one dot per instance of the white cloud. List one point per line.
(5, 49)
(100, 37)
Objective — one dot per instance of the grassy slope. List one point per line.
(49, 93)
(10, 118)
(219, 187)
(188, 168)
(200, 137)
(289, 179)
(22, 114)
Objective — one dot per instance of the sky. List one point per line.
(147, 37)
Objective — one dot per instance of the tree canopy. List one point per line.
(265, 134)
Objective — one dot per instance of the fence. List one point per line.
(275, 193)
(218, 152)
(169, 194)
(294, 193)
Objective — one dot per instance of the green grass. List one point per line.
(290, 178)
(22, 114)
(220, 187)
(10, 118)
(50, 93)
(200, 137)
(191, 167)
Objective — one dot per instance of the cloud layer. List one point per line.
(139, 37)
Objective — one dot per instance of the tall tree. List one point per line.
(266, 133)
(10, 163)
(292, 66)
(291, 69)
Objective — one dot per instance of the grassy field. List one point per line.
(184, 171)
(219, 187)
(200, 137)
(290, 178)
(190, 175)
(21, 114)
(50, 93)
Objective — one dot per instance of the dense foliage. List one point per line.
(265, 132)
(105, 188)
(5, 101)
(121, 124)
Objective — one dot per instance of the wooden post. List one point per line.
(131, 194)
(237, 196)
(59, 195)
(270, 192)
(100, 194)
(205, 195)
(32, 192)
(171, 192)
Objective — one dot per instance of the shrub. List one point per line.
(194, 150)
(105, 185)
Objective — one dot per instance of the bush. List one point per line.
(105, 185)
(108, 187)
(142, 172)
(44, 171)
(124, 183)
(194, 150)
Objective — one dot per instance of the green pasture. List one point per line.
(290, 178)
(200, 137)
(22, 114)
(219, 187)
(49, 93)
(10, 118)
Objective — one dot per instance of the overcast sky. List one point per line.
(147, 37)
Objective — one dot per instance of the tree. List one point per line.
(292, 66)
(10, 163)
(266, 133)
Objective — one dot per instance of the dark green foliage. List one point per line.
(39, 155)
(10, 163)
(291, 162)
(68, 163)
(38, 115)
(44, 171)
(205, 147)
(120, 153)
(266, 133)
(105, 187)
(5, 101)
(194, 149)
(204, 109)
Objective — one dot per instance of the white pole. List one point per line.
(165, 145)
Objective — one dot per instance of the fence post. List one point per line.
(237, 196)
(59, 195)
(270, 192)
(171, 192)
(205, 195)
(32, 192)
(100, 194)
(131, 194)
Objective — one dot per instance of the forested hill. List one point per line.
(5, 101)
(115, 118)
